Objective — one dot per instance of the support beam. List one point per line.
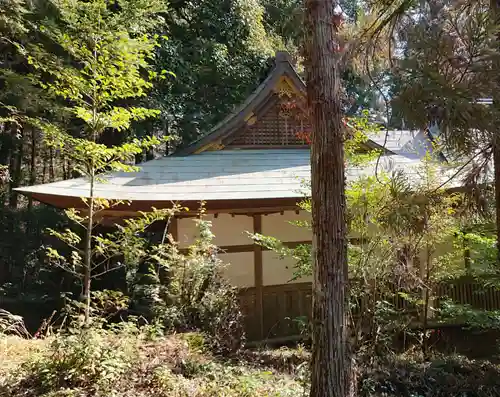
(258, 274)
(174, 228)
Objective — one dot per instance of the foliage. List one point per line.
(105, 307)
(137, 366)
(108, 253)
(11, 18)
(284, 18)
(402, 232)
(447, 68)
(112, 48)
(91, 359)
(21, 252)
(219, 53)
(105, 54)
(108, 303)
(442, 377)
(468, 316)
(194, 295)
(123, 363)
(442, 76)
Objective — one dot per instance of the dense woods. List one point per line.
(93, 307)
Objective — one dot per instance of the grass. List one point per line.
(15, 350)
(168, 366)
(131, 364)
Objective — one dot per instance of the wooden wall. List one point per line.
(249, 265)
(270, 300)
(274, 305)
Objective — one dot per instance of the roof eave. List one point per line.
(137, 206)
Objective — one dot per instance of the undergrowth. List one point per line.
(128, 361)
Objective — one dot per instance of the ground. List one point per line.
(174, 366)
(130, 364)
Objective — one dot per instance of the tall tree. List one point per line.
(284, 18)
(451, 51)
(102, 63)
(331, 364)
(495, 18)
(219, 52)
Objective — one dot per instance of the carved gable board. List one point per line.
(281, 124)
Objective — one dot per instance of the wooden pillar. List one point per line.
(173, 228)
(258, 274)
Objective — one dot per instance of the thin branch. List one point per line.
(108, 270)
(68, 270)
(460, 169)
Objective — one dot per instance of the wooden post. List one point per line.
(258, 281)
(174, 231)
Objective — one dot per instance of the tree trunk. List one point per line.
(32, 164)
(88, 252)
(331, 364)
(496, 164)
(495, 16)
(64, 167)
(16, 165)
(52, 174)
(44, 168)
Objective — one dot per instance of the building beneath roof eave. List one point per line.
(249, 169)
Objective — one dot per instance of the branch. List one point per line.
(108, 271)
(460, 169)
(68, 270)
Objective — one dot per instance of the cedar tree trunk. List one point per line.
(16, 165)
(32, 164)
(495, 16)
(331, 365)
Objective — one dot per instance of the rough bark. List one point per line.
(16, 165)
(495, 16)
(496, 164)
(44, 168)
(32, 164)
(331, 365)
(52, 174)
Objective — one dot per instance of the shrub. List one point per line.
(168, 384)
(187, 292)
(443, 377)
(196, 342)
(91, 359)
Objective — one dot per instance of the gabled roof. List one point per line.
(231, 178)
(409, 143)
(283, 71)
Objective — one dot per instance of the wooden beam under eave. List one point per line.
(269, 205)
(211, 147)
(195, 213)
(258, 275)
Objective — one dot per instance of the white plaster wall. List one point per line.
(276, 271)
(278, 226)
(239, 269)
(446, 251)
(228, 230)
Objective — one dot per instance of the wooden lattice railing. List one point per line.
(283, 306)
